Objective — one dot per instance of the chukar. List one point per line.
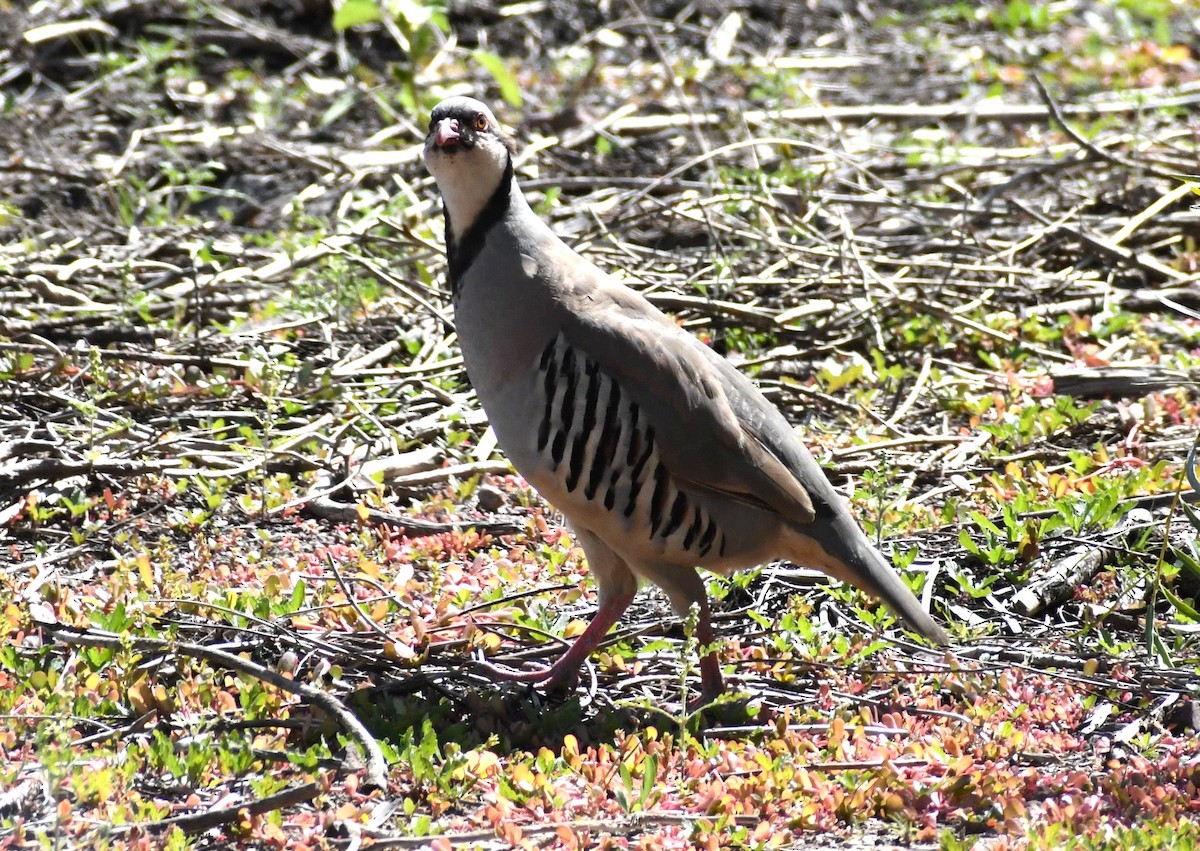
(662, 456)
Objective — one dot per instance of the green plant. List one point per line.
(1016, 15)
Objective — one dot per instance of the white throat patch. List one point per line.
(467, 178)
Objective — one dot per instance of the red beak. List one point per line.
(446, 133)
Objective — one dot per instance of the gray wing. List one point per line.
(715, 430)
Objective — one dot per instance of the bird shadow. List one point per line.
(511, 717)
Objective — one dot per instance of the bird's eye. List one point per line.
(480, 123)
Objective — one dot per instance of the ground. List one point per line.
(255, 531)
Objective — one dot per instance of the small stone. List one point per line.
(490, 498)
(1183, 718)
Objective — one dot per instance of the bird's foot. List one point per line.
(519, 675)
(556, 678)
(702, 701)
(712, 684)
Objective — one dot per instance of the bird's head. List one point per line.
(468, 155)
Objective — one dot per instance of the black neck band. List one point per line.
(461, 253)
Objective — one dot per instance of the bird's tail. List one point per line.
(840, 549)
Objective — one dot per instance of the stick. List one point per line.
(376, 764)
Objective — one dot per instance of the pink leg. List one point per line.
(684, 587)
(617, 586)
(711, 682)
(562, 674)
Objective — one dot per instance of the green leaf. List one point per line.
(1193, 480)
(1192, 516)
(509, 90)
(338, 108)
(1187, 559)
(353, 13)
(834, 383)
(649, 778)
(987, 525)
(626, 777)
(1160, 648)
(298, 593)
(1184, 608)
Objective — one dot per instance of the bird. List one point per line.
(660, 454)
